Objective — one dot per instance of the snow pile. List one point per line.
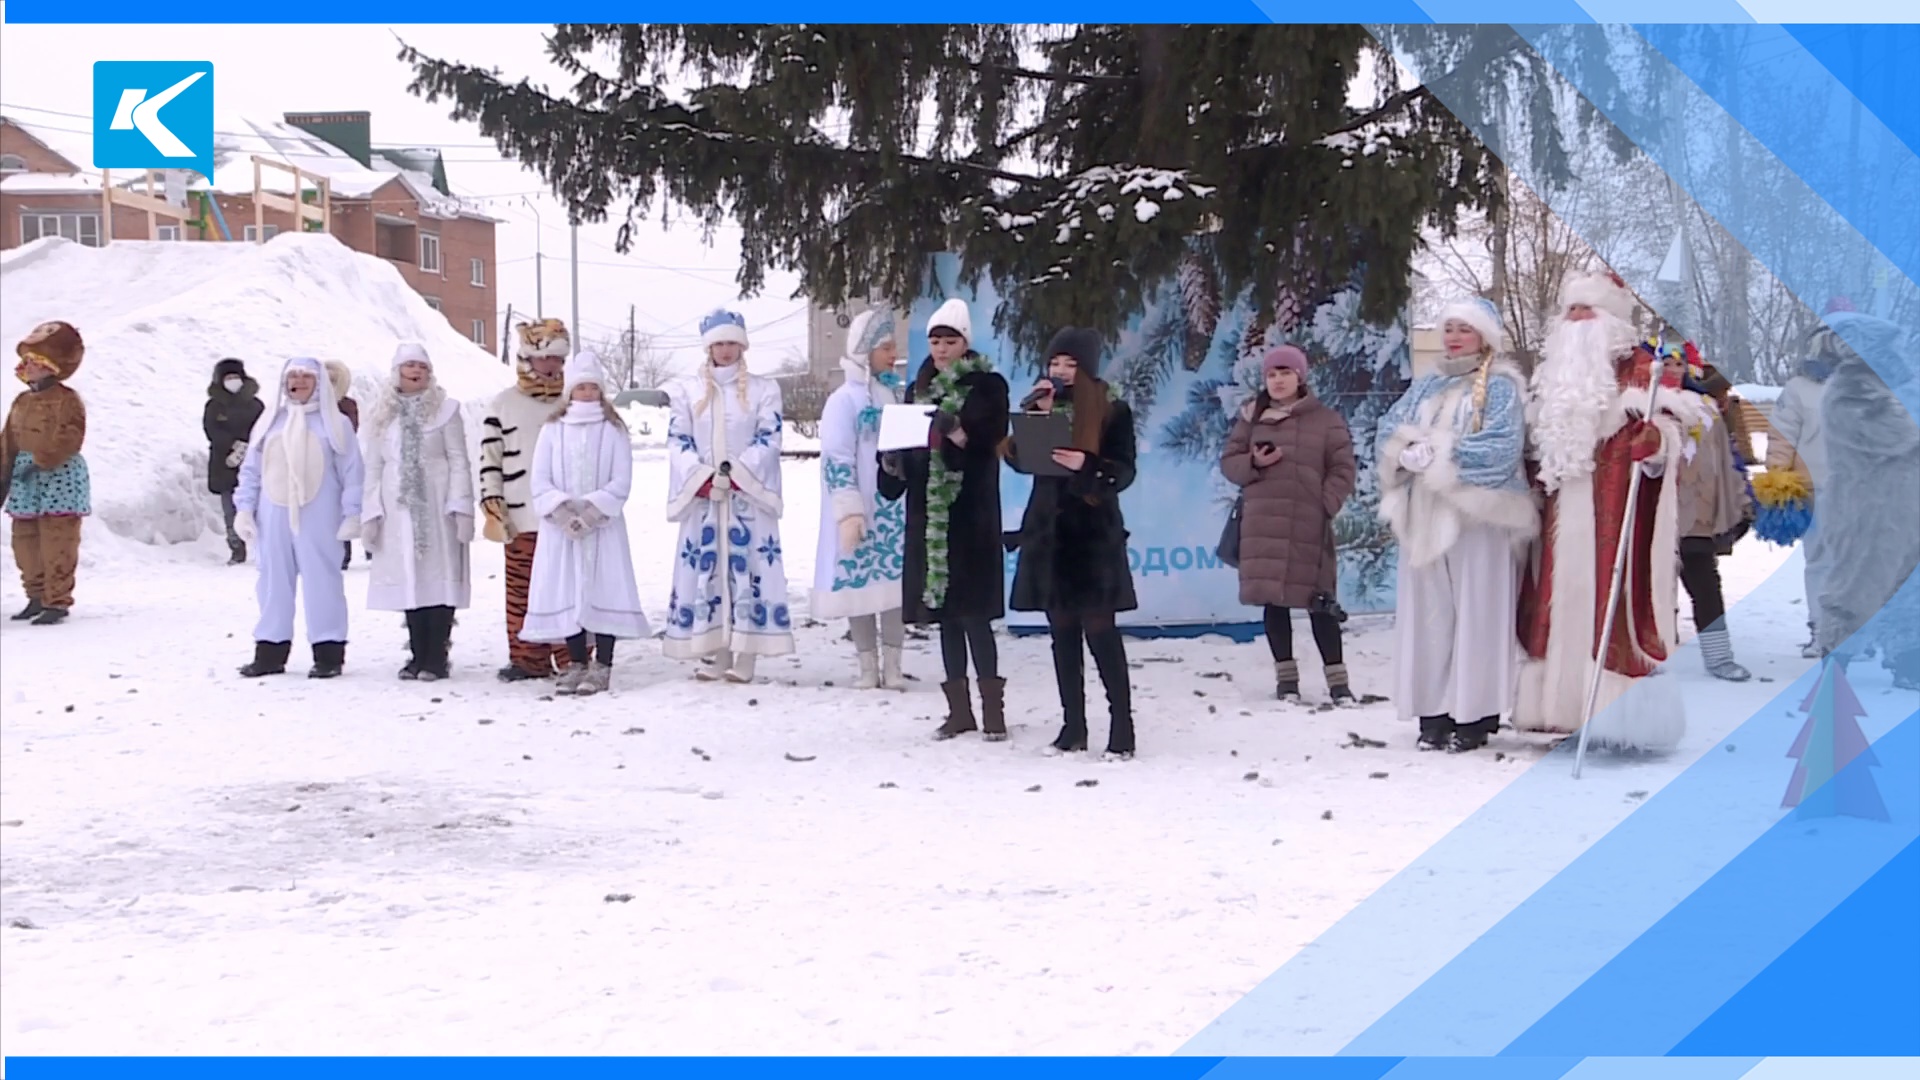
(157, 316)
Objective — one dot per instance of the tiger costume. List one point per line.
(511, 428)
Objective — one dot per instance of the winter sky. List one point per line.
(670, 277)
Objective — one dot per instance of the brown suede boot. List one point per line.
(993, 709)
(959, 710)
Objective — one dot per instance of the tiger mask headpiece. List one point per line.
(543, 337)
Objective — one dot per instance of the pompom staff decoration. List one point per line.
(1784, 502)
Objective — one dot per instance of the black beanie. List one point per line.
(1081, 344)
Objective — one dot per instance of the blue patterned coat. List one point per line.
(865, 581)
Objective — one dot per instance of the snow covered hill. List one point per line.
(157, 316)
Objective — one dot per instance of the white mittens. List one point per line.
(591, 514)
(463, 528)
(1417, 458)
(370, 534)
(349, 529)
(721, 486)
(243, 526)
(236, 455)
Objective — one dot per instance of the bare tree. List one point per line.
(647, 365)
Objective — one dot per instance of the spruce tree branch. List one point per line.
(1392, 105)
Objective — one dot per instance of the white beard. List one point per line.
(1574, 392)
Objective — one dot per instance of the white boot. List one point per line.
(891, 676)
(714, 668)
(869, 677)
(742, 669)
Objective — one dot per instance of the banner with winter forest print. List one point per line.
(1186, 364)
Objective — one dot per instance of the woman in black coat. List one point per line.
(955, 571)
(233, 404)
(1073, 541)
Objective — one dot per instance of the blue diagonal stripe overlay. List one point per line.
(1642, 932)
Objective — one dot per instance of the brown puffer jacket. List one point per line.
(1287, 551)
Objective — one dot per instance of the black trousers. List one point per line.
(958, 637)
(602, 648)
(1700, 574)
(1095, 632)
(1326, 634)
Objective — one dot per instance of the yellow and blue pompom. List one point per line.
(1785, 504)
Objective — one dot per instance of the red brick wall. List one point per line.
(461, 240)
(13, 140)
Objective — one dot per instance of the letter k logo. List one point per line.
(135, 114)
(153, 114)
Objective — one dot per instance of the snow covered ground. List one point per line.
(195, 863)
(198, 863)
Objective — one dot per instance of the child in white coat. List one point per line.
(417, 517)
(860, 558)
(582, 568)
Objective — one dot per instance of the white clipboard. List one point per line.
(905, 427)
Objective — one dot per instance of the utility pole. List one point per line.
(633, 343)
(575, 325)
(539, 293)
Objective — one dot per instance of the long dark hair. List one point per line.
(1091, 404)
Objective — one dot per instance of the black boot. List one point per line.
(237, 554)
(437, 632)
(416, 642)
(1470, 737)
(49, 615)
(33, 608)
(959, 710)
(269, 658)
(1069, 672)
(329, 660)
(346, 556)
(993, 710)
(1110, 656)
(1436, 732)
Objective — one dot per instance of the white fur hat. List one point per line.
(411, 352)
(952, 315)
(1602, 292)
(723, 326)
(584, 367)
(1479, 314)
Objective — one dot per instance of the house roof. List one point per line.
(75, 146)
(236, 141)
(32, 183)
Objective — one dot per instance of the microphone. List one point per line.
(1039, 394)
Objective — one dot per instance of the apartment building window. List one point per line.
(252, 234)
(432, 301)
(477, 272)
(479, 332)
(79, 228)
(167, 232)
(430, 252)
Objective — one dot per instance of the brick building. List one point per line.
(390, 203)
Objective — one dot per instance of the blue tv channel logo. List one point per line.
(153, 114)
